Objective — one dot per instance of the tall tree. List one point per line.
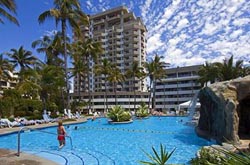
(22, 59)
(52, 46)
(10, 5)
(52, 82)
(91, 51)
(156, 71)
(79, 70)
(66, 11)
(29, 86)
(104, 69)
(115, 77)
(136, 72)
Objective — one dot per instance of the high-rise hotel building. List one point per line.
(123, 39)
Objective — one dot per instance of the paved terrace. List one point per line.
(8, 157)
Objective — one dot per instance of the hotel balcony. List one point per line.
(98, 22)
(119, 30)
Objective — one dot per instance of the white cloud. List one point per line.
(236, 33)
(241, 21)
(145, 8)
(89, 5)
(154, 43)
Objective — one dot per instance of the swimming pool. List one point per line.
(97, 142)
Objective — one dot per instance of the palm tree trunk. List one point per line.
(79, 88)
(150, 92)
(90, 102)
(65, 61)
(106, 99)
(153, 99)
(115, 86)
(134, 96)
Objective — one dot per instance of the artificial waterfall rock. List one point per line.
(225, 110)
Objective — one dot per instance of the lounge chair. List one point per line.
(3, 124)
(46, 118)
(10, 124)
(25, 122)
(78, 116)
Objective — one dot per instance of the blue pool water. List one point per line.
(97, 142)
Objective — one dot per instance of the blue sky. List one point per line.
(185, 32)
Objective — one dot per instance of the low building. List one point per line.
(8, 84)
(180, 86)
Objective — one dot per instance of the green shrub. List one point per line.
(214, 156)
(142, 111)
(117, 114)
(158, 158)
(125, 116)
(20, 113)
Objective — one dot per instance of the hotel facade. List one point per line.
(123, 39)
(10, 83)
(180, 85)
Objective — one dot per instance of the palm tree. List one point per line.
(51, 82)
(52, 46)
(23, 59)
(227, 70)
(208, 73)
(10, 5)
(79, 69)
(29, 87)
(136, 72)
(156, 71)
(150, 69)
(115, 77)
(91, 51)
(217, 71)
(66, 11)
(104, 69)
(5, 67)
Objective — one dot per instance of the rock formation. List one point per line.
(225, 110)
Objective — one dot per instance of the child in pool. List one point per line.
(61, 132)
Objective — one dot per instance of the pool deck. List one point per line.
(9, 157)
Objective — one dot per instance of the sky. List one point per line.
(184, 32)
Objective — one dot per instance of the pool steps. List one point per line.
(74, 157)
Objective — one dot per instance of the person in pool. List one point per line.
(61, 132)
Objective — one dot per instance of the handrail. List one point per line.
(27, 128)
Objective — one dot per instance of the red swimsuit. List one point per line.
(61, 134)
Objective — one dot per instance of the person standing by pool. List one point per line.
(61, 132)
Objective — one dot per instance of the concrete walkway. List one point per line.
(9, 157)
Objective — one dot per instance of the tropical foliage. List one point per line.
(226, 70)
(155, 71)
(116, 77)
(6, 8)
(105, 68)
(118, 114)
(142, 111)
(66, 12)
(214, 156)
(136, 72)
(158, 158)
